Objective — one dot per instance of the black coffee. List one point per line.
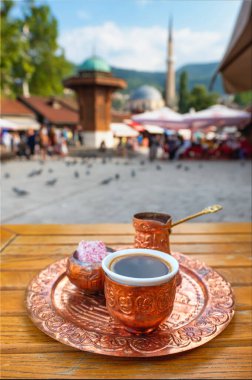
(139, 266)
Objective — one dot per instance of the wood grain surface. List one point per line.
(26, 352)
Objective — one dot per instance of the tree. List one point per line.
(30, 54)
(201, 99)
(183, 103)
(244, 98)
(46, 55)
(10, 47)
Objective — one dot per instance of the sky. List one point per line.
(132, 34)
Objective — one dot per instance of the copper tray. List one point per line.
(203, 308)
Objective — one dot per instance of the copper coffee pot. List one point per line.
(153, 229)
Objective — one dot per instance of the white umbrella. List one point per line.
(217, 115)
(6, 124)
(19, 124)
(24, 123)
(163, 117)
(123, 130)
(155, 129)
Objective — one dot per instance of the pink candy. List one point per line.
(91, 251)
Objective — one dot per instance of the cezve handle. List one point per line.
(207, 210)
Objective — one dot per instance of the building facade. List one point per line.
(93, 86)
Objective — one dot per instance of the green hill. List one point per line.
(200, 73)
(138, 78)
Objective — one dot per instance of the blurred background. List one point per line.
(109, 108)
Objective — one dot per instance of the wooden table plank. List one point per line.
(205, 363)
(14, 280)
(126, 229)
(5, 237)
(128, 239)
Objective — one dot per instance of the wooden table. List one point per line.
(29, 353)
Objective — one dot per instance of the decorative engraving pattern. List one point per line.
(127, 302)
(151, 234)
(204, 306)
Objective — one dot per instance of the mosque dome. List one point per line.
(95, 63)
(145, 98)
(146, 92)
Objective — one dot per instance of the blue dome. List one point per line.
(146, 92)
(95, 63)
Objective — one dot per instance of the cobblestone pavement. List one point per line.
(79, 194)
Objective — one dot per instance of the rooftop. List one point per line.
(51, 109)
(12, 107)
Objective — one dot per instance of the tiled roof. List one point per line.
(68, 102)
(51, 109)
(14, 107)
(60, 110)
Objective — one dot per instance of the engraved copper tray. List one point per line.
(203, 307)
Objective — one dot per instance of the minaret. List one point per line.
(170, 92)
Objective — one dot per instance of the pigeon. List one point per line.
(68, 163)
(106, 181)
(158, 167)
(32, 173)
(51, 182)
(35, 172)
(76, 174)
(186, 168)
(142, 162)
(41, 162)
(117, 163)
(7, 175)
(200, 166)
(50, 170)
(133, 173)
(89, 166)
(87, 172)
(83, 162)
(20, 191)
(104, 161)
(117, 176)
(179, 166)
(126, 163)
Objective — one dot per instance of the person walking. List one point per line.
(44, 141)
(31, 142)
(153, 147)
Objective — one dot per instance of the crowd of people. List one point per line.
(45, 141)
(175, 147)
(54, 141)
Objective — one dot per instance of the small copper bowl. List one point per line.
(86, 276)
